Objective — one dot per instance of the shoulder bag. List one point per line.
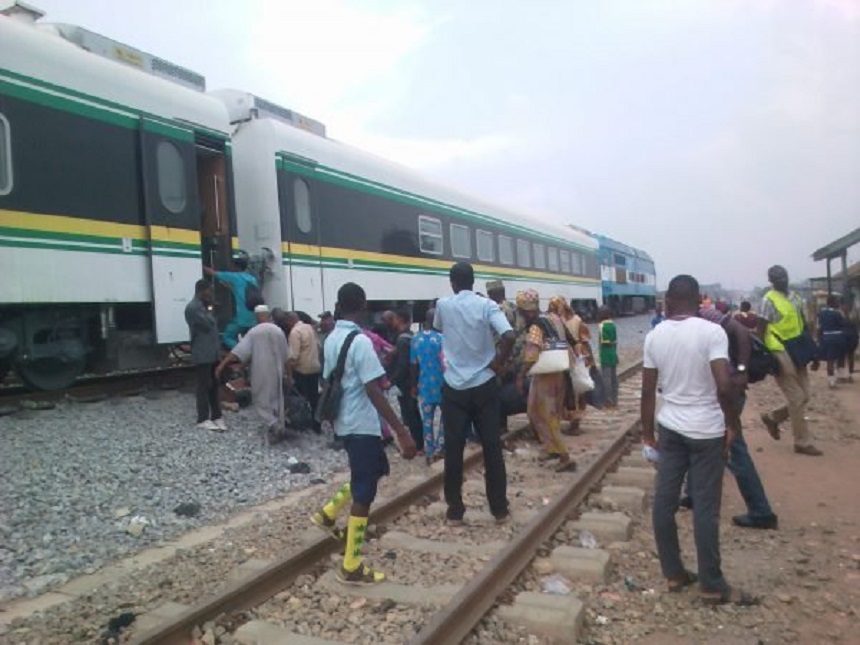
(555, 356)
(332, 390)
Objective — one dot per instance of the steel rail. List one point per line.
(258, 588)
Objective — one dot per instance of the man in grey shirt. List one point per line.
(204, 354)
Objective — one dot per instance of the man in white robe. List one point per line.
(265, 349)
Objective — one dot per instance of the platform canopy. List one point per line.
(838, 247)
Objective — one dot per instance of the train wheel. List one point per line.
(50, 372)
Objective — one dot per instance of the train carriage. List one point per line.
(326, 214)
(628, 277)
(111, 179)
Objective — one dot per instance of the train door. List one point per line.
(216, 214)
(300, 227)
(172, 218)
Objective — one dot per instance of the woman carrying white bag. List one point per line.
(546, 361)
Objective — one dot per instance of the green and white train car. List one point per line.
(111, 180)
(328, 213)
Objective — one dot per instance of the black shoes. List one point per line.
(748, 522)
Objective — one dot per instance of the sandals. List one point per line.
(731, 596)
(548, 456)
(328, 525)
(690, 578)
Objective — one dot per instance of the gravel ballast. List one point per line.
(82, 479)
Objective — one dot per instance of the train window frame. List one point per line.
(506, 242)
(524, 254)
(302, 212)
(575, 263)
(489, 238)
(8, 181)
(539, 256)
(438, 234)
(167, 176)
(552, 259)
(564, 261)
(460, 253)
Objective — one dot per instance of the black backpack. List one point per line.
(762, 363)
(328, 406)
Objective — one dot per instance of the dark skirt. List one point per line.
(832, 346)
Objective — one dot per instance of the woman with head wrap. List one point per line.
(546, 393)
(578, 336)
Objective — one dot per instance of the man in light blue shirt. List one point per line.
(357, 423)
(238, 282)
(470, 394)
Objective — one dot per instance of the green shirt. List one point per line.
(608, 344)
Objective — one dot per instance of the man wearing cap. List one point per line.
(496, 293)
(238, 282)
(781, 319)
(265, 348)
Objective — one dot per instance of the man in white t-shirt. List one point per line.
(689, 358)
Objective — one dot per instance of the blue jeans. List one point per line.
(741, 465)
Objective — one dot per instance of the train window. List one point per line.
(564, 261)
(5, 157)
(552, 258)
(524, 257)
(429, 235)
(171, 176)
(540, 255)
(461, 241)
(575, 263)
(302, 203)
(486, 250)
(506, 249)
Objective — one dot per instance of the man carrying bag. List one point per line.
(782, 326)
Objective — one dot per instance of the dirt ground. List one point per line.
(807, 572)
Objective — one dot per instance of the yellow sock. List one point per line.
(354, 541)
(340, 499)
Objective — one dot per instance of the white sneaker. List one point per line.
(220, 424)
(207, 425)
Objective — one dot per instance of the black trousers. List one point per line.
(208, 400)
(308, 385)
(478, 406)
(411, 416)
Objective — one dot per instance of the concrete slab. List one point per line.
(399, 540)
(26, 607)
(606, 527)
(88, 583)
(638, 477)
(635, 460)
(626, 497)
(576, 563)
(405, 594)
(557, 617)
(259, 632)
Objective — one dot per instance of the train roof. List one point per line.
(615, 245)
(39, 58)
(330, 154)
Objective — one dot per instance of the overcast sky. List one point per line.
(721, 136)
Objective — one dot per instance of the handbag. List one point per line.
(761, 363)
(332, 391)
(579, 376)
(801, 349)
(555, 357)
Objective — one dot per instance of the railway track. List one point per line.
(484, 560)
(96, 388)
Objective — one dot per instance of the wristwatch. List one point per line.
(742, 368)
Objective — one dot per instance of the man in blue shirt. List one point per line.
(237, 281)
(471, 392)
(357, 424)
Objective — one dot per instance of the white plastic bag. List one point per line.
(580, 377)
(555, 585)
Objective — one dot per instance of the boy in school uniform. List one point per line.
(609, 354)
(357, 424)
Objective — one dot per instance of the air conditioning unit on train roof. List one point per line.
(106, 47)
(244, 106)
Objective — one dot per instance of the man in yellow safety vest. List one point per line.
(781, 319)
